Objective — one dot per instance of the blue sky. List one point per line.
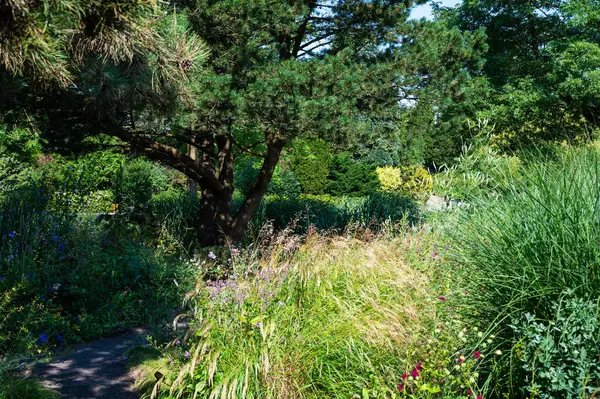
(425, 10)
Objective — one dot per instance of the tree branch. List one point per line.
(167, 155)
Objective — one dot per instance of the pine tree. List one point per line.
(223, 77)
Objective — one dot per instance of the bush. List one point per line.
(539, 240)
(413, 181)
(310, 163)
(350, 177)
(139, 180)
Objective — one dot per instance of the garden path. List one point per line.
(94, 370)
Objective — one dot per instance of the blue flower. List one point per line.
(43, 338)
(12, 234)
(59, 338)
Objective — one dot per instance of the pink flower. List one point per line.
(442, 298)
(419, 367)
(234, 250)
(479, 397)
(400, 387)
(477, 355)
(404, 376)
(187, 355)
(469, 392)
(414, 373)
(212, 255)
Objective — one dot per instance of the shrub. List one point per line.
(413, 182)
(140, 179)
(350, 177)
(310, 163)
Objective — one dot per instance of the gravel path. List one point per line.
(94, 370)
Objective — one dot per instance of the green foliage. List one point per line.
(350, 177)
(375, 211)
(140, 179)
(414, 181)
(536, 242)
(283, 183)
(322, 322)
(559, 356)
(65, 276)
(173, 219)
(310, 163)
(480, 171)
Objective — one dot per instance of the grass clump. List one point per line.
(335, 317)
(528, 250)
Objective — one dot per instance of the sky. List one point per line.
(425, 10)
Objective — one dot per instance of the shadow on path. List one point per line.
(94, 370)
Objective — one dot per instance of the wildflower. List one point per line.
(461, 358)
(419, 366)
(43, 338)
(479, 397)
(400, 387)
(212, 255)
(469, 392)
(404, 376)
(234, 250)
(414, 373)
(178, 342)
(12, 234)
(59, 338)
(477, 355)
(498, 352)
(442, 298)
(187, 355)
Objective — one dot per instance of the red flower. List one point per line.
(442, 298)
(477, 355)
(469, 392)
(404, 376)
(414, 373)
(419, 367)
(479, 397)
(400, 387)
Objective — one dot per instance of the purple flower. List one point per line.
(212, 255)
(187, 355)
(178, 342)
(234, 250)
(43, 338)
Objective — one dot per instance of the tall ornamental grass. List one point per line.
(525, 252)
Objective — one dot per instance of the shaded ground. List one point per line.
(94, 370)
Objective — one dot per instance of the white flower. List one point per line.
(498, 352)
